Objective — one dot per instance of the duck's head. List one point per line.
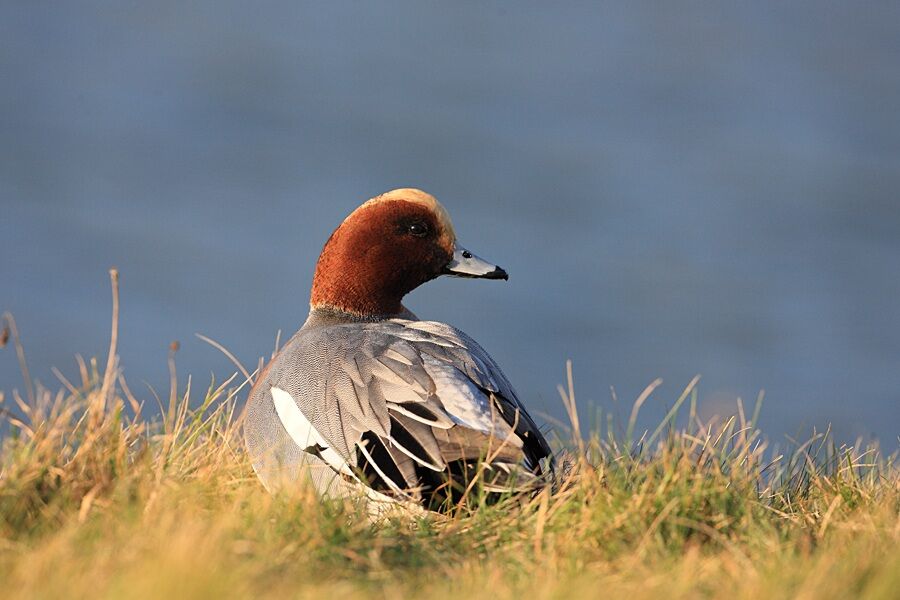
(388, 247)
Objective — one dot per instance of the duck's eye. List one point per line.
(418, 229)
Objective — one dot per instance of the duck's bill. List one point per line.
(466, 264)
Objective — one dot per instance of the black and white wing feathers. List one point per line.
(408, 407)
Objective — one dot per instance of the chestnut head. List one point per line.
(386, 248)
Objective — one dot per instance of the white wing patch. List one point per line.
(305, 435)
(302, 431)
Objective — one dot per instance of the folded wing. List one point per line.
(412, 409)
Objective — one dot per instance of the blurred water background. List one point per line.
(675, 188)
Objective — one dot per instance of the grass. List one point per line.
(98, 500)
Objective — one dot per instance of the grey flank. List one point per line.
(424, 392)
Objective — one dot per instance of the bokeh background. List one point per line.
(674, 188)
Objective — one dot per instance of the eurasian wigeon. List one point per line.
(367, 397)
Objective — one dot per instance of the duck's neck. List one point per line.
(354, 281)
(355, 296)
(323, 315)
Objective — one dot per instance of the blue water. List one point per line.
(673, 190)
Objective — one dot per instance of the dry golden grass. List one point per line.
(96, 500)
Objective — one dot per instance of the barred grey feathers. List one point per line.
(404, 408)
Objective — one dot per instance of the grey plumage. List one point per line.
(409, 405)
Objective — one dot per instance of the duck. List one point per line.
(367, 399)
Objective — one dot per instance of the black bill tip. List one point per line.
(497, 273)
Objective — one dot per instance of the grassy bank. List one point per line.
(97, 500)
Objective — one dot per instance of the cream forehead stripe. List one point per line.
(418, 197)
